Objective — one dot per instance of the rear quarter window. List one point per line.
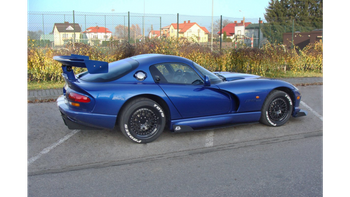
(116, 70)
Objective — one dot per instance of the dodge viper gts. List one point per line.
(143, 94)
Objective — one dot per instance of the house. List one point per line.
(191, 31)
(301, 39)
(235, 30)
(165, 31)
(96, 35)
(154, 34)
(252, 31)
(64, 33)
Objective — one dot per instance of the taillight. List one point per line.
(78, 97)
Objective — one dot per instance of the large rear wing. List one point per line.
(93, 67)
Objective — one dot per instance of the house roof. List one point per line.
(155, 32)
(187, 25)
(230, 28)
(97, 29)
(67, 27)
(166, 27)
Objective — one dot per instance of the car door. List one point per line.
(186, 90)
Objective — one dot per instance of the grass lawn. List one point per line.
(44, 85)
(51, 85)
(291, 74)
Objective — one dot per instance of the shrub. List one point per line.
(270, 60)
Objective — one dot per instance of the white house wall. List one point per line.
(196, 31)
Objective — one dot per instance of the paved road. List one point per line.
(250, 159)
(289, 168)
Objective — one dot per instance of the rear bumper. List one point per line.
(84, 120)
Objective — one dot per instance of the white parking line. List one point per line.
(311, 110)
(209, 139)
(48, 149)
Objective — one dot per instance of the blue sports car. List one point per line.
(143, 94)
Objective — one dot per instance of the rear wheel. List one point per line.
(142, 120)
(277, 109)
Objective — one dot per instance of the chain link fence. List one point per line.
(101, 29)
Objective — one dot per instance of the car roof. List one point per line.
(150, 59)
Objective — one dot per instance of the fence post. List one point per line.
(129, 27)
(73, 30)
(105, 30)
(259, 33)
(220, 32)
(143, 27)
(177, 30)
(43, 28)
(292, 46)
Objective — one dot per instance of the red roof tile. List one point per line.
(155, 32)
(97, 29)
(230, 28)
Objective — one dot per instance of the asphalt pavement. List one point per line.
(240, 160)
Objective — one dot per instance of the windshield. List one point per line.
(212, 77)
(116, 70)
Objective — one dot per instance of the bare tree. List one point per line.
(121, 32)
(217, 26)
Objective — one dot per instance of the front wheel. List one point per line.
(277, 109)
(142, 120)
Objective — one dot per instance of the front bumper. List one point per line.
(300, 113)
(75, 119)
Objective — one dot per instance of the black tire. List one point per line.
(277, 109)
(142, 120)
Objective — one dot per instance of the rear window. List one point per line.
(116, 70)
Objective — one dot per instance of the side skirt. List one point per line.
(190, 124)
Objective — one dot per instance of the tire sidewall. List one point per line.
(265, 110)
(129, 110)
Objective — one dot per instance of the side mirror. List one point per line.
(206, 80)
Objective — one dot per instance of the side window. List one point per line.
(175, 73)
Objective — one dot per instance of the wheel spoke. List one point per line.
(143, 122)
(278, 109)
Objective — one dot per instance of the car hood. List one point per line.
(231, 76)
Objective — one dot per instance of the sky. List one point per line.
(228, 8)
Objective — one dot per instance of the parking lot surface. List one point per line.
(53, 150)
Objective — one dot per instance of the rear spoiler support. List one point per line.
(93, 67)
